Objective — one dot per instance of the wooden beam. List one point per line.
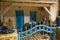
(31, 4)
(24, 4)
(0, 9)
(32, 1)
(6, 10)
(47, 10)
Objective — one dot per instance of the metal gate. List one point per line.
(38, 29)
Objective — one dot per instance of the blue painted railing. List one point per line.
(36, 28)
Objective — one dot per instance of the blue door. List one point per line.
(32, 16)
(19, 19)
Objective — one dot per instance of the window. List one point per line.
(32, 16)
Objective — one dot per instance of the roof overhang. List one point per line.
(33, 1)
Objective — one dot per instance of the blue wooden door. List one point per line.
(32, 16)
(19, 19)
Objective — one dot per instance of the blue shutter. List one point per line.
(19, 19)
(32, 16)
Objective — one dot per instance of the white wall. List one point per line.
(12, 14)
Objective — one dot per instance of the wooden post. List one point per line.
(53, 12)
(1, 18)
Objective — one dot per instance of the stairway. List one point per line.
(38, 33)
(37, 36)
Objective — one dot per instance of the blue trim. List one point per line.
(19, 36)
(48, 30)
(54, 34)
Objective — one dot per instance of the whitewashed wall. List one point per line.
(12, 14)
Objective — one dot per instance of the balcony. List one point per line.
(33, 1)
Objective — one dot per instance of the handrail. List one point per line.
(36, 28)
